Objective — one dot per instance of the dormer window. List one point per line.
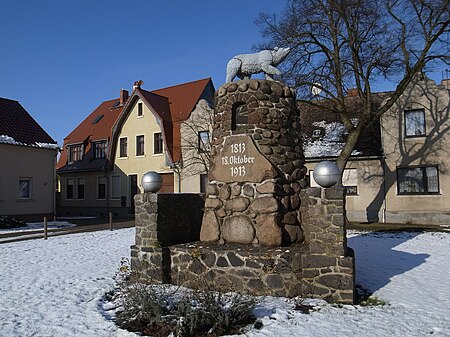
(75, 153)
(317, 133)
(100, 149)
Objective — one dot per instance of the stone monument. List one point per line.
(257, 168)
(262, 230)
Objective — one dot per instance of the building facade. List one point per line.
(416, 143)
(27, 165)
(105, 157)
(398, 172)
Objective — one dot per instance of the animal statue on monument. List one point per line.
(244, 65)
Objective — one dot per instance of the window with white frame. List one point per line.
(80, 188)
(140, 111)
(101, 188)
(157, 143)
(415, 123)
(203, 141)
(123, 147)
(140, 146)
(25, 185)
(418, 180)
(100, 149)
(75, 153)
(70, 193)
(115, 187)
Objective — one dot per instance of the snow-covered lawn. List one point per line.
(54, 288)
(33, 226)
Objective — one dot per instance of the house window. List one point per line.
(415, 123)
(123, 149)
(418, 180)
(25, 188)
(115, 187)
(80, 188)
(203, 182)
(140, 145)
(100, 149)
(69, 188)
(157, 143)
(140, 112)
(203, 141)
(75, 153)
(101, 188)
(350, 181)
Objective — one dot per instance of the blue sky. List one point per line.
(61, 58)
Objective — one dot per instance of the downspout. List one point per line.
(383, 167)
(107, 194)
(55, 183)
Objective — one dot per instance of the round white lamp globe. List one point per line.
(326, 173)
(151, 181)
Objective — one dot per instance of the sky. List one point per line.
(61, 58)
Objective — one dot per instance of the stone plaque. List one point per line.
(240, 161)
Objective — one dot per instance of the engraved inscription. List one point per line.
(240, 160)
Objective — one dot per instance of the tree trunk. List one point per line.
(349, 145)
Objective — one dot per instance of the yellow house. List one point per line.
(106, 156)
(27, 165)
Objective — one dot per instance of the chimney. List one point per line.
(137, 84)
(123, 96)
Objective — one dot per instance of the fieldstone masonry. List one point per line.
(263, 232)
(257, 169)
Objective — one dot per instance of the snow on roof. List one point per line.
(4, 139)
(330, 144)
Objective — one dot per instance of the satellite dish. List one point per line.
(316, 89)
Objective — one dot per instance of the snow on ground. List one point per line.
(54, 288)
(32, 226)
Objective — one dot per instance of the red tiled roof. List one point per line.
(183, 97)
(172, 105)
(17, 123)
(87, 131)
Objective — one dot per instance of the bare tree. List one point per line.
(342, 44)
(196, 140)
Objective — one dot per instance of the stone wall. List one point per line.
(320, 267)
(167, 219)
(162, 220)
(328, 270)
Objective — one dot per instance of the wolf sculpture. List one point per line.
(244, 65)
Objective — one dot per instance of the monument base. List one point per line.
(320, 267)
(281, 271)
